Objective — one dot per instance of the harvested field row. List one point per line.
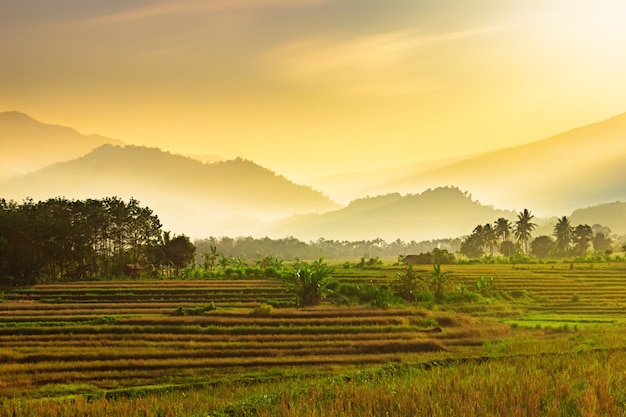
(166, 284)
(44, 348)
(152, 340)
(210, 352)
(195, 329)
(205, 321)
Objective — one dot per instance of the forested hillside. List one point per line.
(190, 196)
(435, 213)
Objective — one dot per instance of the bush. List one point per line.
(271, 272)
(280, 304)
(193, 311)
(348, 289)
(263, 310)
(427, 322)
(380, 297)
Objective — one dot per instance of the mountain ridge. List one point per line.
(28, 144)
(579, 167)
(182, 190)
(239, 197)
(442, 212)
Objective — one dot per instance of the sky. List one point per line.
(316, 87)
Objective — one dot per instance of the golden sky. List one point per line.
(311, 87)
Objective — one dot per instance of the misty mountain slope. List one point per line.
(612, 215)
(187, 195)
(581, 167)
(438, 213)
(27, 145)
(350, 186)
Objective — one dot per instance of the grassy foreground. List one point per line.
(553, 344)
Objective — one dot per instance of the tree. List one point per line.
(582, 236)
(437, 281)
(601, 240)
(178, 252)
(503, 229)
(309, 282)
(143, 229)
(210, 258)
(406, 284)
(524, 227)
(442, 256)
(59, 239)
(542, 247)
(563, 232)
(472, 246)
(489, 237)
(601, 243)
(479, 235)
(508, 248)
(484, 285)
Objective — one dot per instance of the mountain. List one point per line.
(207, 159)
(612, 215)
(442, 212)
(582, 167)
(188, 196)
(28, 145)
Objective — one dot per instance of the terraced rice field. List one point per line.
(119, 338)
(111, 337)
(579, 292)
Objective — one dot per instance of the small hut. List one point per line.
(133, 270)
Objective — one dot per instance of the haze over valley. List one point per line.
(344, 119)
(304, 207)
(557, 176)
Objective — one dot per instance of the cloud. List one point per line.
(170, 8)
(390, 63)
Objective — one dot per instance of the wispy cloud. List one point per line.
(172, 8)
(386, 63)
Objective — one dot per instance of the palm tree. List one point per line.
(503, 228)
(582, 236)
(479, 235)
(489, 237)
(563, 232)
(524, 227)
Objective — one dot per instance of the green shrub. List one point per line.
(348, 290)
(427, 322)
(381, 297)
(263, 310)
(280, 304)
(271, 272)
(252, 272)
(193, 311)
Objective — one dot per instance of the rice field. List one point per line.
(155, 345)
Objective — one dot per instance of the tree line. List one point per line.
(60, 239)
(512, 238)
(291, 248)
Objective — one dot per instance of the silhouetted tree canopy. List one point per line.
(60, 239)
(542, 247)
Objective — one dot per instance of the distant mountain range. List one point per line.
(27, 145)
(560, 176)
(436, 213)
(554, 176)
(187, 195)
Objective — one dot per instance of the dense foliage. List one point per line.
(565, 241)
(62, 239)
(290, 248)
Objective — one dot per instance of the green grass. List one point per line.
(116, 348)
